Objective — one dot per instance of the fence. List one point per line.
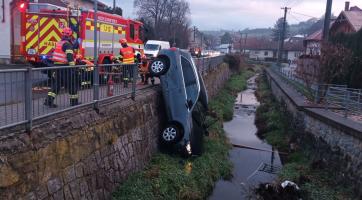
(24, 92)
(337, 98)
(33, 93)
(206, 64)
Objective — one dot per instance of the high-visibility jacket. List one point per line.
(128, 55)
(63, 53)
(143, 68)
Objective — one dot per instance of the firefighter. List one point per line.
(86, 72)
(145, 75)
(63, 55)
(127, 54)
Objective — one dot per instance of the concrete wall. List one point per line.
(5, 24)
(333, 139)
(82, 154)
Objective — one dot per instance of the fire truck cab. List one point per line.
(41, 26)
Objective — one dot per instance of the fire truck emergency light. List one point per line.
(22, 6)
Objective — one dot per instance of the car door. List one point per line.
(191, 80)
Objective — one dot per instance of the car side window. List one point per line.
(190, 79)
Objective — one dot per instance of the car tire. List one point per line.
(171, 135)
(158, 67)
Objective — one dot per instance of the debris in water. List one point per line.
(289, 183)
(269, 191)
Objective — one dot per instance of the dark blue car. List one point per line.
(185, 98)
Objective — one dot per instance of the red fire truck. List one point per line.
(41, 26)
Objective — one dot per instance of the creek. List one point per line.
(254, 161)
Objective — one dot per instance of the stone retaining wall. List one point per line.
(84, 154)
(333, 139)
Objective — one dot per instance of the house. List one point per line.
(313, 43)
(293, 49)
(267, 49)
(348, 21)
(225, 48)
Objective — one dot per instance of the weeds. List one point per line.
(172, 177)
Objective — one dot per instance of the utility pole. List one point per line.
(281, 40)
(246, 37)
(194, 33)
(114, 6)
(327, 21)
(241, 38)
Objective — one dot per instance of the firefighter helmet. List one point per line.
(67, 32)
(123, 41)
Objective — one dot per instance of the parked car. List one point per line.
(153, 47)
(185, 99)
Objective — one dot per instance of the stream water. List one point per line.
(256, 161)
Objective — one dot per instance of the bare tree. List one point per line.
(170, 19)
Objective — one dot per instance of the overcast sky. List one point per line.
(240, 14)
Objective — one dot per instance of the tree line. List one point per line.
(167, 20)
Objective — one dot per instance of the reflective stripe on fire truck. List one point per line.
(42, 33)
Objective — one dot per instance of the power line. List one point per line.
(304, 14)
(293, 3)
(296, 18)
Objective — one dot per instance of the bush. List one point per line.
(234, 62)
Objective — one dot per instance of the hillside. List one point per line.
(303, 28)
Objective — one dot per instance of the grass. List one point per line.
(312, 176)
(169, 176)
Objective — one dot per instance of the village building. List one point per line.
(267, 50)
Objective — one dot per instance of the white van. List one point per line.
(152, 47)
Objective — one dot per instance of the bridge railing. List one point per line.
(34, 93)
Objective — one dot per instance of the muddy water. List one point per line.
(251, 166)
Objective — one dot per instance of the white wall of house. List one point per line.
(5, 24)
(260, 54)
(294, 55)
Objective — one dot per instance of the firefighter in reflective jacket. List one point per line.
(128, 57)
(63, 55)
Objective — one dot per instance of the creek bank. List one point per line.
(172, 177)
(315, 179)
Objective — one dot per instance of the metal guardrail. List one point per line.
(337, 98)
(25, 92)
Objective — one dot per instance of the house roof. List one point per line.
(268, 44)
(316, 36)
(354, 17)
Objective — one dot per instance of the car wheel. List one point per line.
(171, 135)
(158, 67)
